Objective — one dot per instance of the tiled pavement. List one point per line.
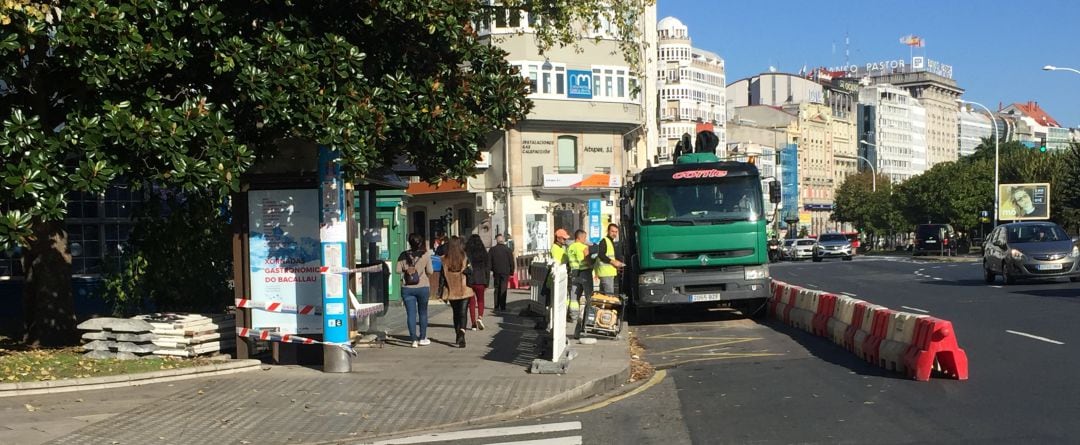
(393, 390)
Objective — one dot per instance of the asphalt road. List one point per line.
(731, 380)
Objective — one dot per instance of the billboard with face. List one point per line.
(1021, 202)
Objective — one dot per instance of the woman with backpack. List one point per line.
(454, 288)
(414, 266)
(479, 279)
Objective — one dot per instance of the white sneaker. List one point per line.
(415, 344)
(424, 342)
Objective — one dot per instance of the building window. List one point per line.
(567, 154)
(549, 82)
(611, 83)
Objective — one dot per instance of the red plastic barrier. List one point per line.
(935, 342)
(789, 303)
(825, 309)
(778, 291)
(856, 324)
(879, 330)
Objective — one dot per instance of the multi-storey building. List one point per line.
(587, 130)
(691, 88)
(937, 94)
(972, 127)
(825, 128)
(1042, 126)
(893, 124)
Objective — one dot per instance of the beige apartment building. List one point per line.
(561, 167)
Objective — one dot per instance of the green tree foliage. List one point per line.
(188, 95)
(1070, 187)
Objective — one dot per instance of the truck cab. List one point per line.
(696, 234)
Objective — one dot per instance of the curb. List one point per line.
(118, 381)
(588, 389)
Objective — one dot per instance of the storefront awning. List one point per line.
(579, 181)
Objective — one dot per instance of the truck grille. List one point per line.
(712, 254)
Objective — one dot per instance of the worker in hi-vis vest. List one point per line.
(580, 272)
(607, 266)
(558, 256)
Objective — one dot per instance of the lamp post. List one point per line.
(873, 171)
(997, 165)
(1058, 68)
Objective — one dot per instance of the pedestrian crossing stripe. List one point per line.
(501, 432)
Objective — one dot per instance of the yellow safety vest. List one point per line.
(558, 253)
(576, 256)
(606, 269)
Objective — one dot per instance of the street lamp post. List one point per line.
(1058, 68)
(997, 165)
(873, 170)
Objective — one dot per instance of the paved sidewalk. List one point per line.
(392, 391)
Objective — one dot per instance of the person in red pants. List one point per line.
(478, 279)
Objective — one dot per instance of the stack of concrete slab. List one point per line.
(191, 335)
(119, 338)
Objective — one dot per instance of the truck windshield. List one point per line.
(714, 202)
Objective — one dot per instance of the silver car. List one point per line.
(1030, 250)
(832, 245)
(801, 249)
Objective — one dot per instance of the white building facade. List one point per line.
(691, 85)
(894, 125)
(973, 127)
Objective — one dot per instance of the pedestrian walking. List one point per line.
(454, 288)
(414, 267)
(478, 279)
(502, 267)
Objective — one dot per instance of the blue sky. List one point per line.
(997, 48)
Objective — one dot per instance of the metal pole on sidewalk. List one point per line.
(333, 237)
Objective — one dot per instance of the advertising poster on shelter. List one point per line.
(285, 257)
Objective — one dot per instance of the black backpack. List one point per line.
(411, 276)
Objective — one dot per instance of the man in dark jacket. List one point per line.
(502, 267)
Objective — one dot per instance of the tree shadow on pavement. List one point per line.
(830, 352)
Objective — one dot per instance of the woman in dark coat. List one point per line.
(479, 279)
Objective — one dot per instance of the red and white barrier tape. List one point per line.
(276, 306)
(265, 335)
(345, 270)
(358, 309)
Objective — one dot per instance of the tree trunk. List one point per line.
(48, 306)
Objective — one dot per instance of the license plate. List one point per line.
(930, 241)
(704, 297)
(1049, 266)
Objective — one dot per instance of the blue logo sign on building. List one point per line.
(594, 220)
(579, 84)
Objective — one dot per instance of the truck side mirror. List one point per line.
(774, 191)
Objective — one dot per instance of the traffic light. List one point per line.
(1042, 145)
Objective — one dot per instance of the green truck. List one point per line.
(695, 234)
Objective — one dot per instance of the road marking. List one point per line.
(656, 378)
(849, 294)
(731, 341)
(718, 356)
(811, 285)
(916, 309)
(570, 440)
(996, 287)
(939, 279)
(1023, 334)
(487, 432)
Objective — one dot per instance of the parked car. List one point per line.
(802, 249)
(934, 239)
(832, 245)
(1030, 250)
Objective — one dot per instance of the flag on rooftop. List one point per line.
(913, 40)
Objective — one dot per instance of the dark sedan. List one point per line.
(1030, 250)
